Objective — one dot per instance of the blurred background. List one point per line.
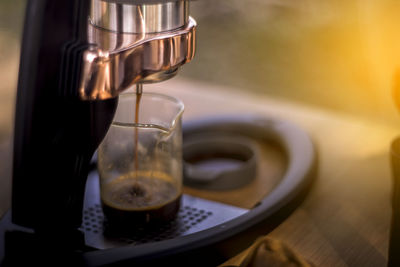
(336, 54)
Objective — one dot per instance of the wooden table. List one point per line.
(345, 219)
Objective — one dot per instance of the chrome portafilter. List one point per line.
(135, 41)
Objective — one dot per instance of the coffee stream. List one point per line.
(139, 91)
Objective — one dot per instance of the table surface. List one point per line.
(345, 219)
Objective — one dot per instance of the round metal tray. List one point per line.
(287, 195)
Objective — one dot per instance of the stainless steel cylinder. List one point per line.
(135, 41)
(135, 17)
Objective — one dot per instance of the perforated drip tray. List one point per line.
(202, 223)
(195, 215)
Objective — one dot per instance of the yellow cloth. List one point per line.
(266, 252)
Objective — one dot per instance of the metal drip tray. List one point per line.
(195, 215)
(201, 223)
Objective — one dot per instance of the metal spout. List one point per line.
(134, 43)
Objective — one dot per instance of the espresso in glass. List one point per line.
(137, 199)
(140, 162)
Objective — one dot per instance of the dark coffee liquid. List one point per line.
(137, 108)
(126, 223)
(147, 199)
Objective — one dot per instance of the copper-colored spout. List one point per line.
(117, 60)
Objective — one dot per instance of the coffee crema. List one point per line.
(140, 198)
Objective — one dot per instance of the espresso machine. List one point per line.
(77, 56)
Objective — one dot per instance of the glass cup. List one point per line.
(140, 161)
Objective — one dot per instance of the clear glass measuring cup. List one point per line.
(140, 161)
